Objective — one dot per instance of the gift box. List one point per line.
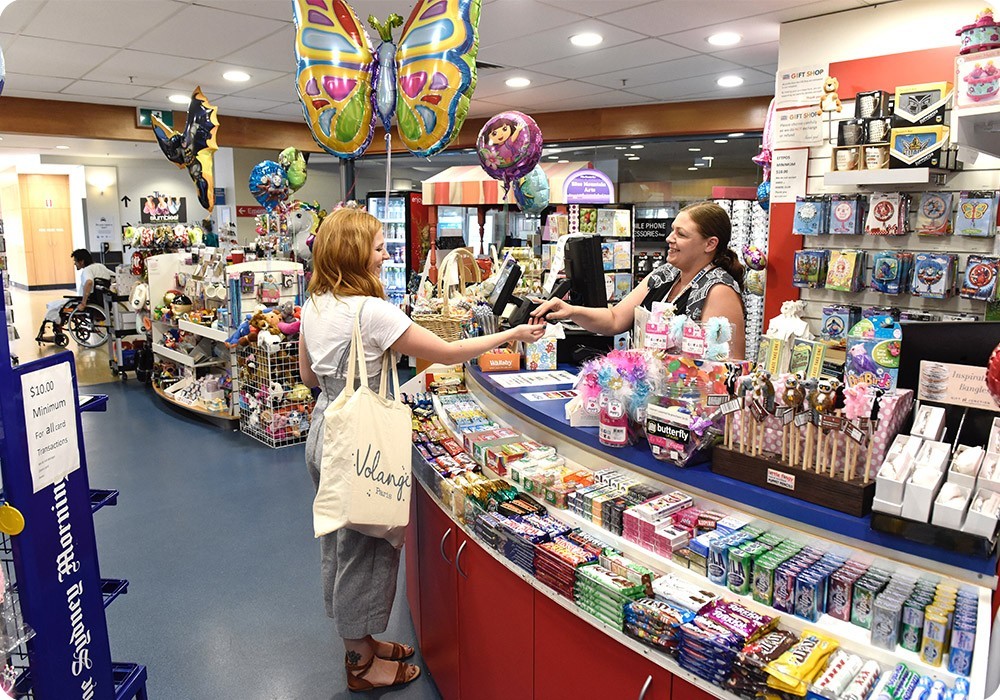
(918, 147)
(499, 361)
(541, 354)
(977, 80)
(920, 105)
(873, 349)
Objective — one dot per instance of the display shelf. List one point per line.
(214, 415)
(102, 497)
(582, 444)
(129, 680)
(93, 403)
(111, 588)
(657, 657)
(888, 176)
(977, 128)
(203, 331)
(184, 359)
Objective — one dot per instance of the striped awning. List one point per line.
(469, 185)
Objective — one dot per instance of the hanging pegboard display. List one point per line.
(275, 406)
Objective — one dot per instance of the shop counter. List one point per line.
(487, 628)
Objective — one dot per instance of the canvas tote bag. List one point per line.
(365, 473)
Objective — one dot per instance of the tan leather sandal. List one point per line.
(405, 673)
(400, 652)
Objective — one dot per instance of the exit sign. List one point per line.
(144, 117)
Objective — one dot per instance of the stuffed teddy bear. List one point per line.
(830, 101)
(289, 323)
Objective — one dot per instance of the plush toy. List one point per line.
(295, 417)
(269, 340)
(277, 391)
(830, 101)
(718, 333)
(289, 323)
(241, 330)
(299, 394)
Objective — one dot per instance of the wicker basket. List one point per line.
(447, 323)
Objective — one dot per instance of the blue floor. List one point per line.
(214, 532)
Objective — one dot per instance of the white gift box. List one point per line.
(967, 466)
(989, 472)
(899, 459)
(977, 523)
(920, 498)
(929, 422)
(933, 454)
(951, 515)
(886, 506)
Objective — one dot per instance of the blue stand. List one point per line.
(58, 578)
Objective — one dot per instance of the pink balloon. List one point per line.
(509, 146)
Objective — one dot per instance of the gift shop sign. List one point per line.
(589, 187)
(955, 385)
(788, 175)
(50, 421)
(796, 87)
(799, 126)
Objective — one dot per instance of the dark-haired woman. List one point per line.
(702, 277)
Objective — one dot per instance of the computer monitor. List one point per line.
(584, 269)
(507, 279)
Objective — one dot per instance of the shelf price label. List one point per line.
(50, 419)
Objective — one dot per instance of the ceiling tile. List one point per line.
(617, 98)
(500, 22)
(758, 31)
(143, 68)
(614, 59)
(204, 32)
(19, 83)
(554, 92)
(230, 104)
(17, 15)
(289, 109)
(758, 55)
(666, 17)
(595, 8)
(92, 88)
(703, 85)
(493, 83)
(275, 52)
(103, 22)
(528, 51)
(484, 108)
(815, 9)
(691, 67)
(209, 77)
(270, 9)
(55, 58)
(281, 89)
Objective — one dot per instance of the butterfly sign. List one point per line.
(425, 80)
(195, 148)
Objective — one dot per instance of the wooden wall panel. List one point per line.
(57, 118)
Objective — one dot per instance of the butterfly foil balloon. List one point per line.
(194, 149)
(3, 71)
(425, 80)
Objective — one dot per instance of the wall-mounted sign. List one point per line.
(220, 195)
(652, 230)
(797, 87)
(587, 186)
(143, 117)
(956, 385)
(249, 212)
(160, 208)
(788, 175)
(801, 126)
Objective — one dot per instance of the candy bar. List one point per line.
(796, 669)
(863, 682)
(839, 673)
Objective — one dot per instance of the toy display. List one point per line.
(887, 214)
(873, 349)
(980, 280)
(934, 214)
(935, 275)
(976, 214)
(275, 407)
(810, 216)
(847, 214)
(981, 35)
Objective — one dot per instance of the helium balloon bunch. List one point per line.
(271, 183)
(509, 148)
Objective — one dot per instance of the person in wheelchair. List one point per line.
(94, 280)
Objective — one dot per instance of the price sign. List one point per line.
(50, 418)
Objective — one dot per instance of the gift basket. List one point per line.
(449, 312)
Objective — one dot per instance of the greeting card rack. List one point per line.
(53, 561)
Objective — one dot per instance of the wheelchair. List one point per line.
(90, 327)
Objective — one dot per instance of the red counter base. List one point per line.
(484, 633)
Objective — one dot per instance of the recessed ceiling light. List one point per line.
(620, 148)
(728, 81)
(736, 134)
(236, 76)
(180, 99)
(722, 140)
(694, 150)
(517, 82)
(637, 146)
(553, 157)
(63, 148)
(692, 168)
(724, 39)
(562, 161)
(586, 39)
(634, 158)
(628, 155)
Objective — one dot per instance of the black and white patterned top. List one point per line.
(692, 301)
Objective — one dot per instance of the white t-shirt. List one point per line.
(327, 324)
(92, 272)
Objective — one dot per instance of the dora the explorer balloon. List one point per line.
(509, 146)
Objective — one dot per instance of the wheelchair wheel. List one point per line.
(90, 327)
(61, 339)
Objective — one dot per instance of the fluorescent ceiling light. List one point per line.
(692, 168)
(634, 158)
(694, 150)
(553, 157)
(637, 146)
(586, 39)
(620, 148)
(724, 39)
(562, 161)
(236, 76)
(517, 82)
(729, 81)
(628, 155)
(722, 140)
(736, 134)
(63, 148)
(180, 99)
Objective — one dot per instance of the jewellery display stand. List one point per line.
(54, 558)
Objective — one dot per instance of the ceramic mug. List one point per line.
(876, 157)
(847, 159)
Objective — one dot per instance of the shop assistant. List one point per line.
(702, 277)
